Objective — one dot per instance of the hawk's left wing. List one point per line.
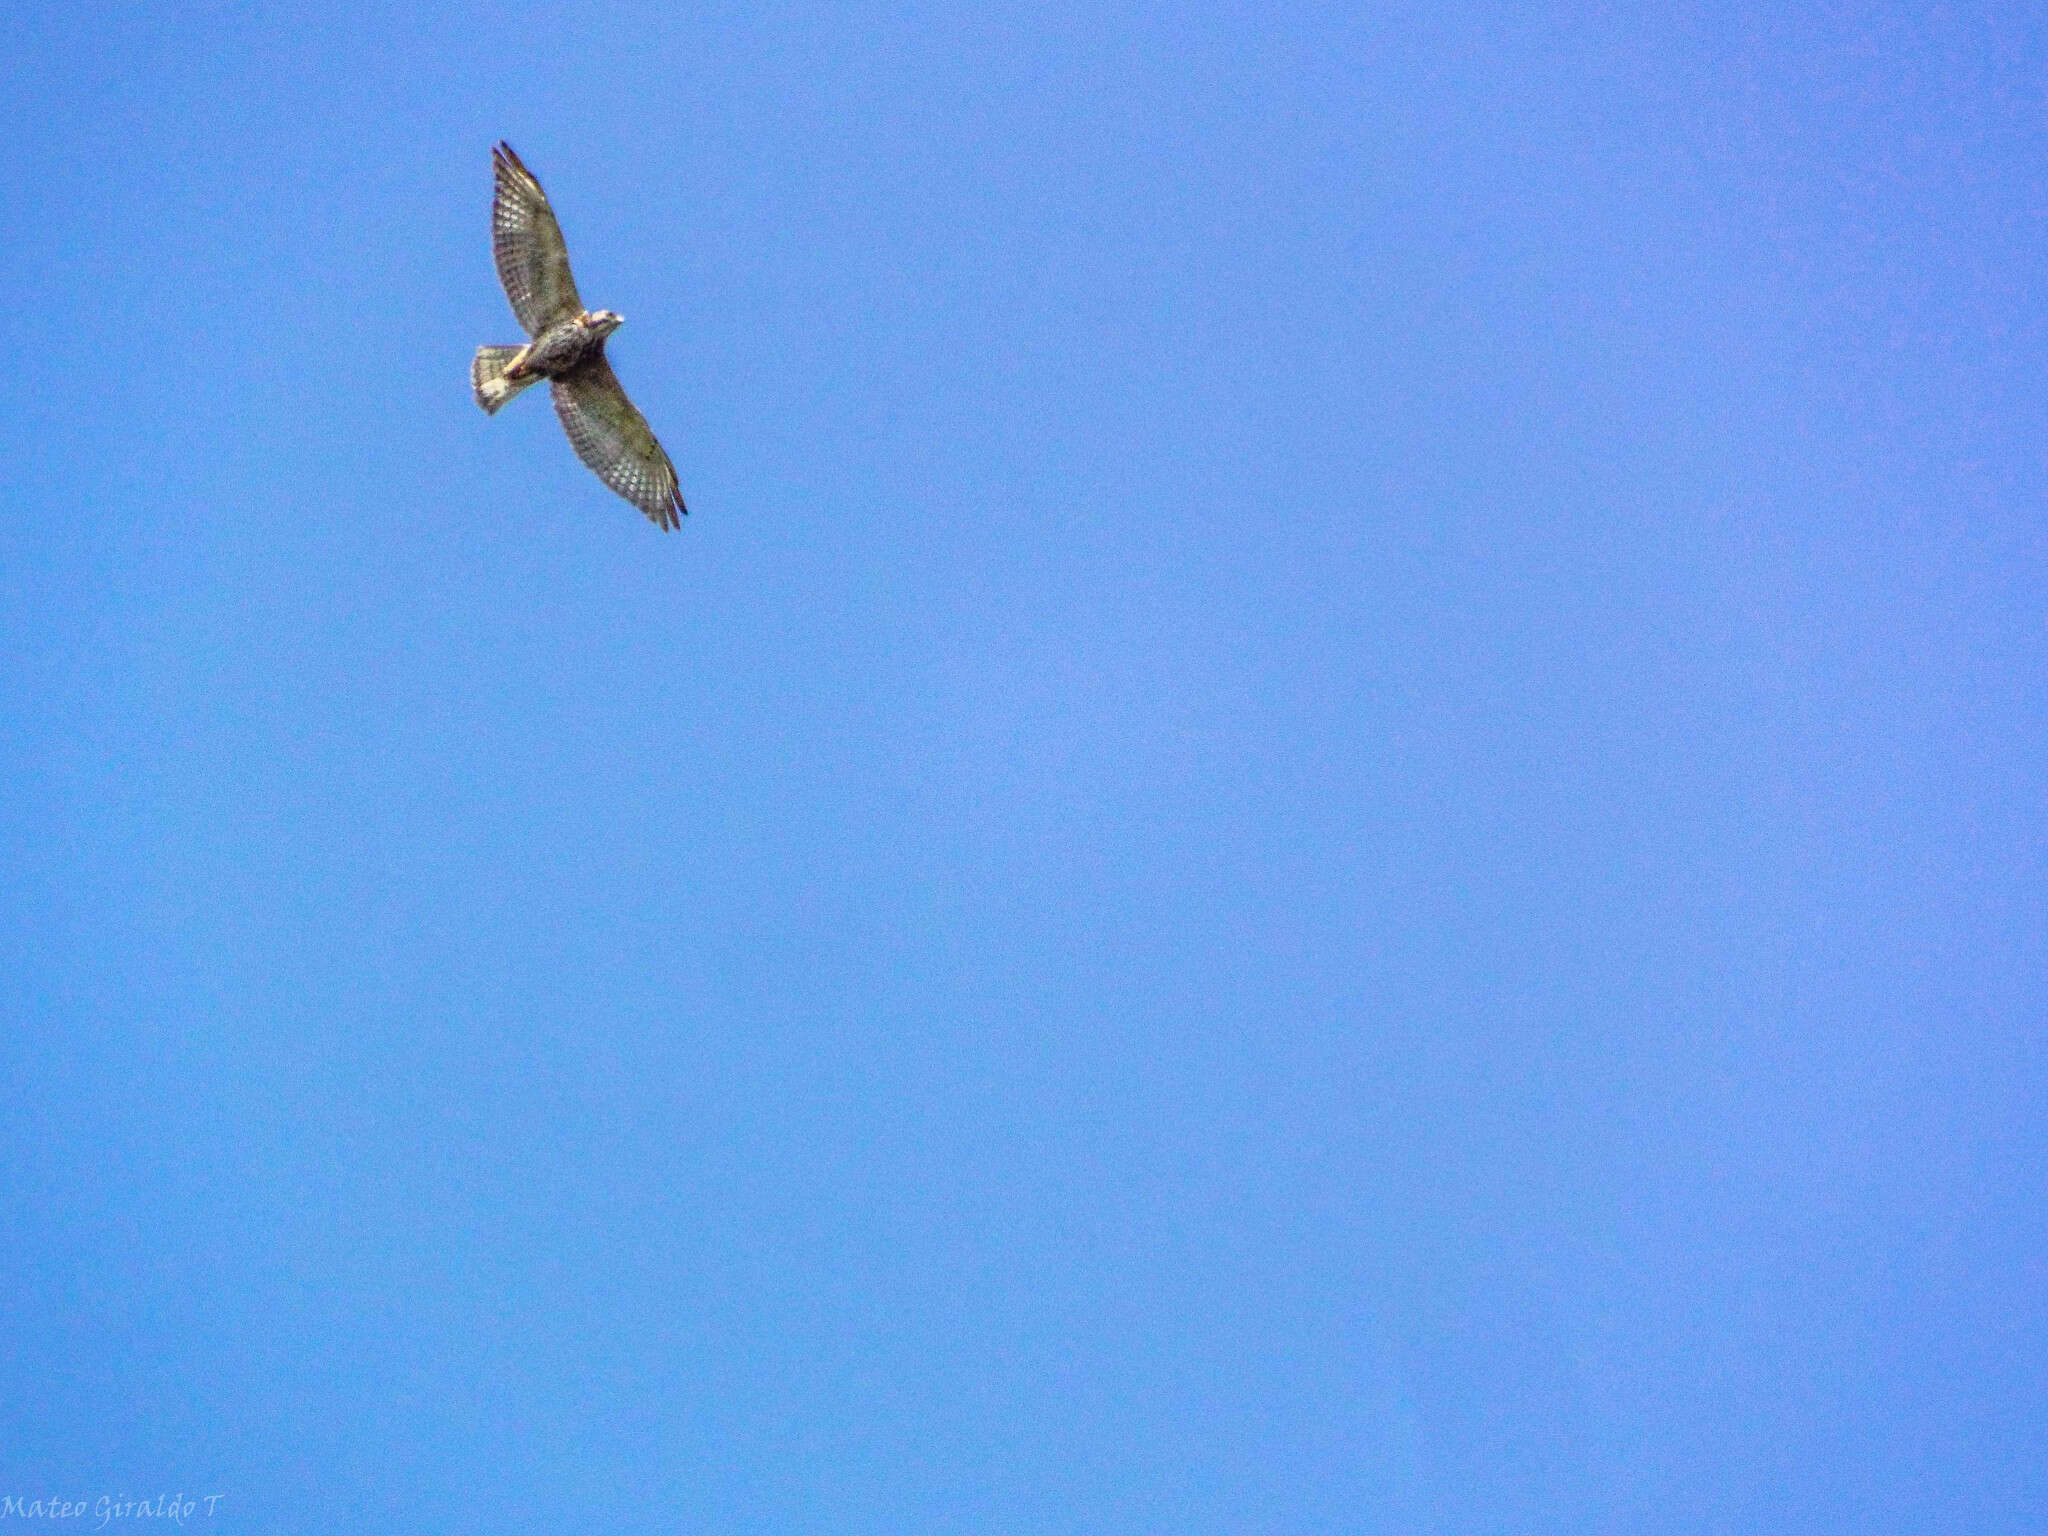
(614, 439)
(533, 260)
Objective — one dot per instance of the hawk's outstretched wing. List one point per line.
(533, 263)
(614, 440)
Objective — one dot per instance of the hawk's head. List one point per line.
(604, 321)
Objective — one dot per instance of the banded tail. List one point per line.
(487, 377)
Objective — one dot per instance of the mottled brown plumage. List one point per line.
(567, 350)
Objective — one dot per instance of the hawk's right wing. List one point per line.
(533, 262)
(613, 438)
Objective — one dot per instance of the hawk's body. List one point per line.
(560, 350)
(567, 349)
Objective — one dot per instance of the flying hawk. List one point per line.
(567, 350)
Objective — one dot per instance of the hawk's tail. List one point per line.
(487, 374)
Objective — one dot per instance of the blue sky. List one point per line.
(1332, 819)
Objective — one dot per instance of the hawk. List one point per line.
(567, 350)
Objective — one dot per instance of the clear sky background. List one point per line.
(1331, 821)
